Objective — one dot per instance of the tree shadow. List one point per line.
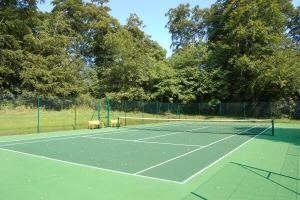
(239, 181)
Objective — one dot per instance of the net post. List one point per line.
(273, 127)
(119, 122)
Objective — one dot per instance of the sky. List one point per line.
(151, 12)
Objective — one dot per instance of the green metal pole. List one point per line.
(125, 110)
(220, 110)
(142, 112)
(273, 127)
(271, 111)
(168, 110)
(99, 105)
(75, 113)
(244, 110)
(157, 111)
(108, 113)
(38, 128)
(199, 110)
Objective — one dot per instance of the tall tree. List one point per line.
(243, 38)
(17, 19)
(294, 27)
(185, 25)
(49, 67)
(133, 62)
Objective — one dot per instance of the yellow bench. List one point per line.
(114, 123)
(92, 124)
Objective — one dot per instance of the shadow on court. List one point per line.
(238, 181)
(241, 181)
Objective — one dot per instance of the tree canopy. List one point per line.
(236, 50)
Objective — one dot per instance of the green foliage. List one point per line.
(247, 40)
(185, 25)
(130, 71)
(237, 50)
(294, 27)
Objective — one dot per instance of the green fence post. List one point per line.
(273, 127)
(75, 113)
(38, 128)
(98, 108)
(125, 109)
(271, 110)
(244, 110)
(199, 110)
(220, 110)
(143, 112)
(168, 110)
(178, 111)
(108, 113)
(157, 109)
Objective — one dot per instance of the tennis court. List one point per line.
(149, 152)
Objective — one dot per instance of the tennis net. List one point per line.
(241, 127)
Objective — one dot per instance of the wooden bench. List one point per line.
(97, 123)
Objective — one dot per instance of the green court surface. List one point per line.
(124, 163)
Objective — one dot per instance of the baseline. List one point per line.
(46, 139)
(88, 166)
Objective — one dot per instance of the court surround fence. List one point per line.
(27, 114)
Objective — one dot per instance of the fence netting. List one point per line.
(28, 114)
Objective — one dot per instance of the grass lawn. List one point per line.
(13, 122)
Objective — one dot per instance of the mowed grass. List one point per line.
(27, 121)
(13, 122)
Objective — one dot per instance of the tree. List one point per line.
(17, 19)
(194, 82)
(185, 25)
(243, 38)
(49, 67)
(294, 27)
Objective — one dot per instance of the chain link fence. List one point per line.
(27, 114)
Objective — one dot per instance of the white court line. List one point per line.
(190, 152)
(159, 136)
(82, 165)
(62, 136)
(59, 138)
(223, 157)
(167, 125)
(197, 129)
(169, 134)
(186, 145)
